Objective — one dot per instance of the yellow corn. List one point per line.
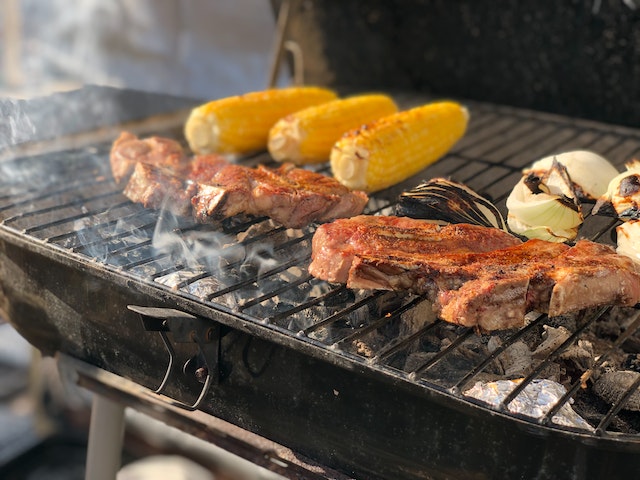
(307, 135)
(393, 148)
(241, 123)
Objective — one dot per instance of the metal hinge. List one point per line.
(185, 328)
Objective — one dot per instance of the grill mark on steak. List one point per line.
(336, 244)
(491, 289)
(291, 196)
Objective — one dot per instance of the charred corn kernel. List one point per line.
(307, 135)
(393, 148)
(241, 123)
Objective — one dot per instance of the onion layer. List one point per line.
(545, 207)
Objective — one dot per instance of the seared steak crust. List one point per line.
(291, 196)
(155, 188)
(160, 173)
(128, 150)
(592, 274)
(337, 244)
(491, 288)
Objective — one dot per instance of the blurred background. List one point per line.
(192, 48)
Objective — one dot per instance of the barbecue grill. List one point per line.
(220, 326)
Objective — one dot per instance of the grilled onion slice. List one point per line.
(628, 234)
(589, 172)
(444, 201)
(622, 198)
(545, 207)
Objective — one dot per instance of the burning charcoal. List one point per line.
(417, 318)
(516, 360)
(416, 360)
(298, 323)
(569, 321)
(579, 357)
(552, 339)
(174, 279)
(266, 228)
(368, 346)
(460, 360)
(340, 299)
(632, 362)
(611, 386)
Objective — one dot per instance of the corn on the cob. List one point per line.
(395, 147)
(241, 123)
(306, 136)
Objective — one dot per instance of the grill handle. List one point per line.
(185, 328)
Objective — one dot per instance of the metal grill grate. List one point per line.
(257, 271)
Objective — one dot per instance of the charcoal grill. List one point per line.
(219, 329)
(224, 319)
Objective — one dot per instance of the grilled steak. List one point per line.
(291, 196)
(336, 244)
(591, 274)
(501, 287)
(431, 272)
(584, 276)
(162, 174)
(155, 188)
(492, 288)
(165, 153)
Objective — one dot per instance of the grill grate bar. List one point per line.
(67, 219)
(71, 187)
(525, 136)
(489, 158)
(484, 135)
(629, 331)
(87, 248)
(58, 206)
(459, 340)
(558, 139)
(615, 409)
(228, 252)
(401, 343)
(352, 307)
(243, 226)
(250, 281)
(142, 261)
(590, 319)
(86, 231)
(503, 140)
(604, 230)
(257, 300)
(370, 327)
(458, 387)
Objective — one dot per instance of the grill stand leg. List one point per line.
(106, 432)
